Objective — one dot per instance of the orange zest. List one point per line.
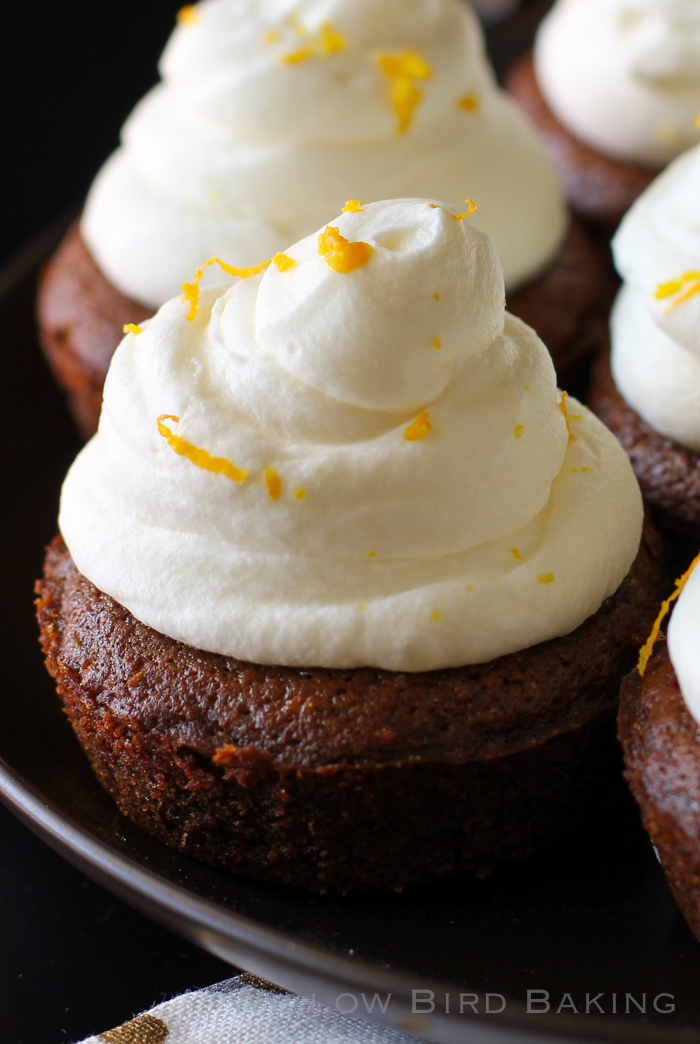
(648, 647)
(283, 262)
(340, 254)
(687, 286)
(329, 41)
(420, 427)
(187, 15)
(471, 207)
(273, 483)
(352, 207)
(190, 291)
(469, 103)
(562, 407)
(199, 457)
(403, 69)
(132, 328)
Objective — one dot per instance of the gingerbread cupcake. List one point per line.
(263, 127)
(346, 595)
(648, 390)
(660, 734)
(614, 88)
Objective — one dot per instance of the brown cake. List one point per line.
(661, 744)
(82, 316)
(668, 473)
(598, 188)
(343, 778)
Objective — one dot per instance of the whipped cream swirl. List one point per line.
(683, 644)
(273, 113)
(656, 320)
(354, 458)
(624, 75)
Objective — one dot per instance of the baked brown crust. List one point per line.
(661, 745)
(599, 188)
(82, 316)
(357, 778)
(668, 473)
(570, 304)
(81, 322)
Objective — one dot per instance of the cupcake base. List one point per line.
(668, 473)
(661, 748)
(82, 316)
(81, 322)
(598, 188)
(343, 779)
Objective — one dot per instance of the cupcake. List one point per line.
(344, 594)
(651, 400)
(264, 126)
(614, 88)
(660, 734)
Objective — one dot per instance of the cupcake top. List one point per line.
(656, 320)
(272, 113)
(353, 456)
(683, 644)
(624, 75)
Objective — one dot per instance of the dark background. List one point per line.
(73, 960)
(70, 73)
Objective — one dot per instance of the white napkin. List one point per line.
(246, 1010)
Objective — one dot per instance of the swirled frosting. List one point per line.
(683, 643)
(272, 113)
(354, 458)
(656, 320)
(624, 75)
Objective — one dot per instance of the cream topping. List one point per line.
(624, 75)
(684, 643)
(272, 113)
(356, 458)
(656, 320)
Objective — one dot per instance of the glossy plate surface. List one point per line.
(592, 915)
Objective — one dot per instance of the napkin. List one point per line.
(246, 1010)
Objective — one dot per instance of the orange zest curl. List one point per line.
(273, 483)
(420, 427)
(403, 69)
(687, 286)
(283, 262)
(562, 407)
(352, 207)
(471, 207)
(199, 457)
(190, 291)
(187, 15)
(340, 254)
(648, 647)
(132, 328)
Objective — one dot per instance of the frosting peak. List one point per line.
(624, 75)
(368, 466)
(272, 113)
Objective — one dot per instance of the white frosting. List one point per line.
(624, 75)
(655, 333)
(684, 643)
(489, 534)
(239, 153)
